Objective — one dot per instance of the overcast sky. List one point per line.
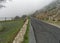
(21, 7)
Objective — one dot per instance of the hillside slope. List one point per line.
(50, 12)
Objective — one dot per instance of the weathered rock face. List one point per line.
(51, 11)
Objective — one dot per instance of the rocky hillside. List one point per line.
(50, 12)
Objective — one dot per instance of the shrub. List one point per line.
(2, 28)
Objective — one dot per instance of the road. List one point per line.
(45, 33)
(31, 35)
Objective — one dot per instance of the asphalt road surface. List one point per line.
(31, 35)
(45, 33)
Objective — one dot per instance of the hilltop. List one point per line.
(50, 12)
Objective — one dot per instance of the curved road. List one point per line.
(45, 33)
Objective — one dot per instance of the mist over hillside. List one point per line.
(51, 12)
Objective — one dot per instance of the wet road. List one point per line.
(31, 35)
(45, 33)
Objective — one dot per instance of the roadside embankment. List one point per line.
(20, 36)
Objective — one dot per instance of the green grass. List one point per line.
(26, 37)
(9, 29)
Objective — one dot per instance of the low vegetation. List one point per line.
(26, 37)
(9, 29)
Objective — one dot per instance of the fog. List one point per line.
(12, 8)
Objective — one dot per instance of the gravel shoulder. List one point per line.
(52, 24)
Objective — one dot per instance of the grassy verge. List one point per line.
(9, 29)
(26, 37)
